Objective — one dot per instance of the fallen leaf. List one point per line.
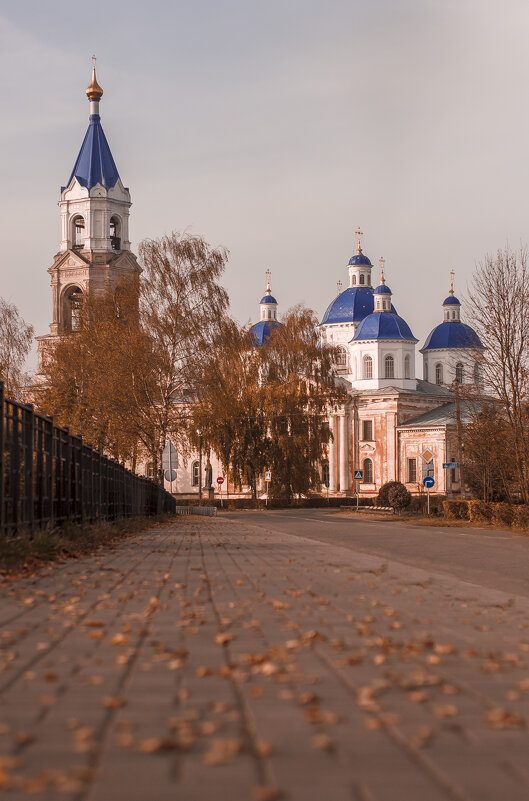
(222, 638)
(323, 742)
(265, 792)
(120, 639)
(500, 718)
(264, 748)
(113, 702)
(221, 751)
(446, 711)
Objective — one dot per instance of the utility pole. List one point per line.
(199, 464)
(459, 439)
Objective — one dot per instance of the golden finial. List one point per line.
(268, 277)
(452, 273)
(339, 287)
(94, 91)
(359, 234)
(382, 262)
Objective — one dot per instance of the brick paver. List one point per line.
(209, 660)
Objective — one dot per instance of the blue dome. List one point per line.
(94, 164)
(383, 325)
(451, 301)
(261, 332)
(452, 335)
(351, 306)
(360, 259)
(268, 299)
(382, 290)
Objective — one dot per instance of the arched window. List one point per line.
(78, 231)
(269, 314)
(325, 473)
(453, 315)
(407, 366)
(425, 370)
(477, 373)
(194, 474)
(115, 235)
(389, 367)
(341, 357)
(353, 280)
(368, 367)
(368, 471)
(459, 373)
(362, 278)
(438, 373)
(72, 308)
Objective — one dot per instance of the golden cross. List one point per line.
(359, 234)
(94, 62)
(382, 262)
(452, 273)
(339, 286)
(268, 276)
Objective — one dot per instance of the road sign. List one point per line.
(268, 475)
(450, 464)
(170, 475)
(358, 475)
(220, 480)
(427, 455)
(169, 456)
(428, 482)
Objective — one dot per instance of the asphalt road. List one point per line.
(489, 558)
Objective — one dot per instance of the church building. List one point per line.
(393, 426)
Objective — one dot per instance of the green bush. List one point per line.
(399, 497)
(383, 493)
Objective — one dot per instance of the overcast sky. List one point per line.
(275, 128)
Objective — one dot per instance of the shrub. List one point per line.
(479, 511)
(456, 510)
(383, 493)
(520, 516)
(399, 497)
(502, 513)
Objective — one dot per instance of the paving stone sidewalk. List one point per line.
(209, 661)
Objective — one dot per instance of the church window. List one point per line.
(367, 430)
(426, 370)
(115, 239)
(368, 471)
(78, 232)
(389, 367)
(325, 473)
(459, 373)
(72, 308)
(341, 357)
(477, 373)
(412, 471)
(438, 373)
(362, 278)
(353, 280)
(453, 315)
(269, 314)
(407, 366)
(194, 474)
(368, 367)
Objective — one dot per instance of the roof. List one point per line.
(383, 325)
(422, 388)
(360, 259)
(94, 164)
(444, 415)
(268, 299)
(451, 300)
(261, 332)
(382, 289)
(452, 334)
(351, 306)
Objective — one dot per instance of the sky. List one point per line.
(275, 129)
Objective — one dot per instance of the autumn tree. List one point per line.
(16, 337)
(499, 310)
(265, 407)
(487, 442)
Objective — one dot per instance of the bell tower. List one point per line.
(94, 251)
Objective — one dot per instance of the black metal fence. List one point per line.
(48, 476)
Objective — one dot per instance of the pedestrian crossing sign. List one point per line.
(358, 475)
(268, 475)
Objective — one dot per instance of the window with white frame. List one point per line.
(412, 471)
(407, 366)
(195, 474)
(438, 373)
(341, 357)
(459, 372)
(367, 367)
(389, 367)
(367, 430)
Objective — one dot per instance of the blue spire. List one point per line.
(94, 164)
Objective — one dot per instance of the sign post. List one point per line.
(358, 475)
(428, 482)
(170, 462)
(268, 479)
(220, 482)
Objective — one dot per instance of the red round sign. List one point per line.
(220, 480)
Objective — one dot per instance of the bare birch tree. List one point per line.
(499, 311)
(16, 337)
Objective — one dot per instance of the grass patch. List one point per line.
(26, 551)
